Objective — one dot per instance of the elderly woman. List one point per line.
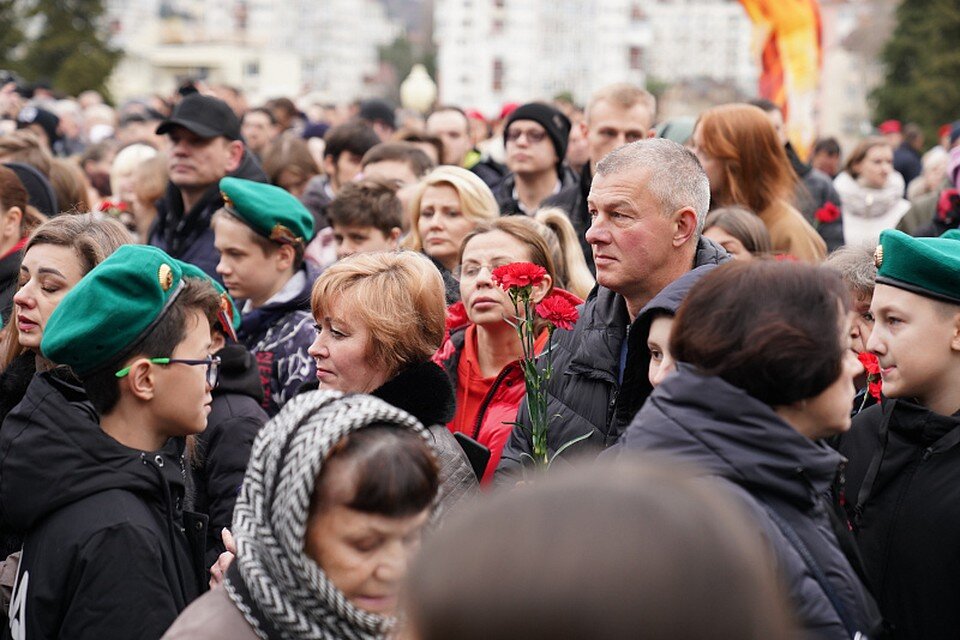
(336, 495)
(380, 317)
(754, 394)
(447, 205)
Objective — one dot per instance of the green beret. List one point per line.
(926, 266)
(228, 315)
(270, 211)
(111, 308)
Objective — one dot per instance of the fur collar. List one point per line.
(423, 390)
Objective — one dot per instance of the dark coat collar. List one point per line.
(423, 390)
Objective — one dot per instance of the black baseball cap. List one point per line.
(206, 116)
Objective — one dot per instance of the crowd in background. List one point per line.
(756, 408)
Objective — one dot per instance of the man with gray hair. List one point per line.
(647, 205)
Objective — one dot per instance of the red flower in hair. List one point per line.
(872, 366)
(518, 275)
(557, 310)
(827, 213)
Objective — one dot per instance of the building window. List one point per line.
(636, 13)
(497, 74)
(252, 69)
(636, 58)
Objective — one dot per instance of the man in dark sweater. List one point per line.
(206, 146)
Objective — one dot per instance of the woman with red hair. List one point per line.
(747, 166)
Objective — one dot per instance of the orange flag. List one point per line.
(788, 37)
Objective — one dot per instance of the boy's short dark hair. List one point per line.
(419, 162)
(103, 387)
(265, 111)
(268, 246)
(355, 137)
(367, 203)
(829, 146)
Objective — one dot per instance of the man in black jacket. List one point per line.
(93, 475)
(648, 202)
(616, 115)
(206, 146)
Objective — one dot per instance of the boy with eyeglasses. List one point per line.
(93, 473)
(261, 233)
(903, 476)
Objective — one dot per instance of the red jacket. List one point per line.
(486, 407)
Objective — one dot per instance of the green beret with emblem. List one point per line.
(270, 211)
(112, 308)
(228, 315)
(926, 266)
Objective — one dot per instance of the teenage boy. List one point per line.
(903, 476)
(261, 233)
(93, 474)
(366, 217)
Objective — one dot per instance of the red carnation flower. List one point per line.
(827, 213)
(872, 366)
(948, 206)
(518, 275)
(557, 310)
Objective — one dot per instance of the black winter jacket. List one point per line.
(187, 235)
(223, 449)
(813, 192)
(573, 200)
(109, 552)
(776, 473)
(908, 526)
(584, 394)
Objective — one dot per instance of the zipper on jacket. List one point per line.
(488, 399)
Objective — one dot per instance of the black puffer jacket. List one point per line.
(108, 551)
(778, 474)
(908, 526)
(186, 235)
(584, 394)
(223, 449)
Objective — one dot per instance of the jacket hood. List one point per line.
(672, 296)
(53, 453)
(719, 428)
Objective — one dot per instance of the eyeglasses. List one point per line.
(533, 137)
(212, 364)
(471, 270)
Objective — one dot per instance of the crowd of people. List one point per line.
(259, 378)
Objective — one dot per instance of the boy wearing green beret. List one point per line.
(902, 486)
(261, 233)
(94, 474)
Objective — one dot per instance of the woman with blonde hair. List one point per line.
(123, 179)
(379, 319)
(747, 166)
(482, 353)
(573, 274)
(448, 203)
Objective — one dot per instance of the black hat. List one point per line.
(39, 192)
(378, 111)
(556, 124)
(205, 116)
(46, 119)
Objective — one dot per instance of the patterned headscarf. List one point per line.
(278, 588)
